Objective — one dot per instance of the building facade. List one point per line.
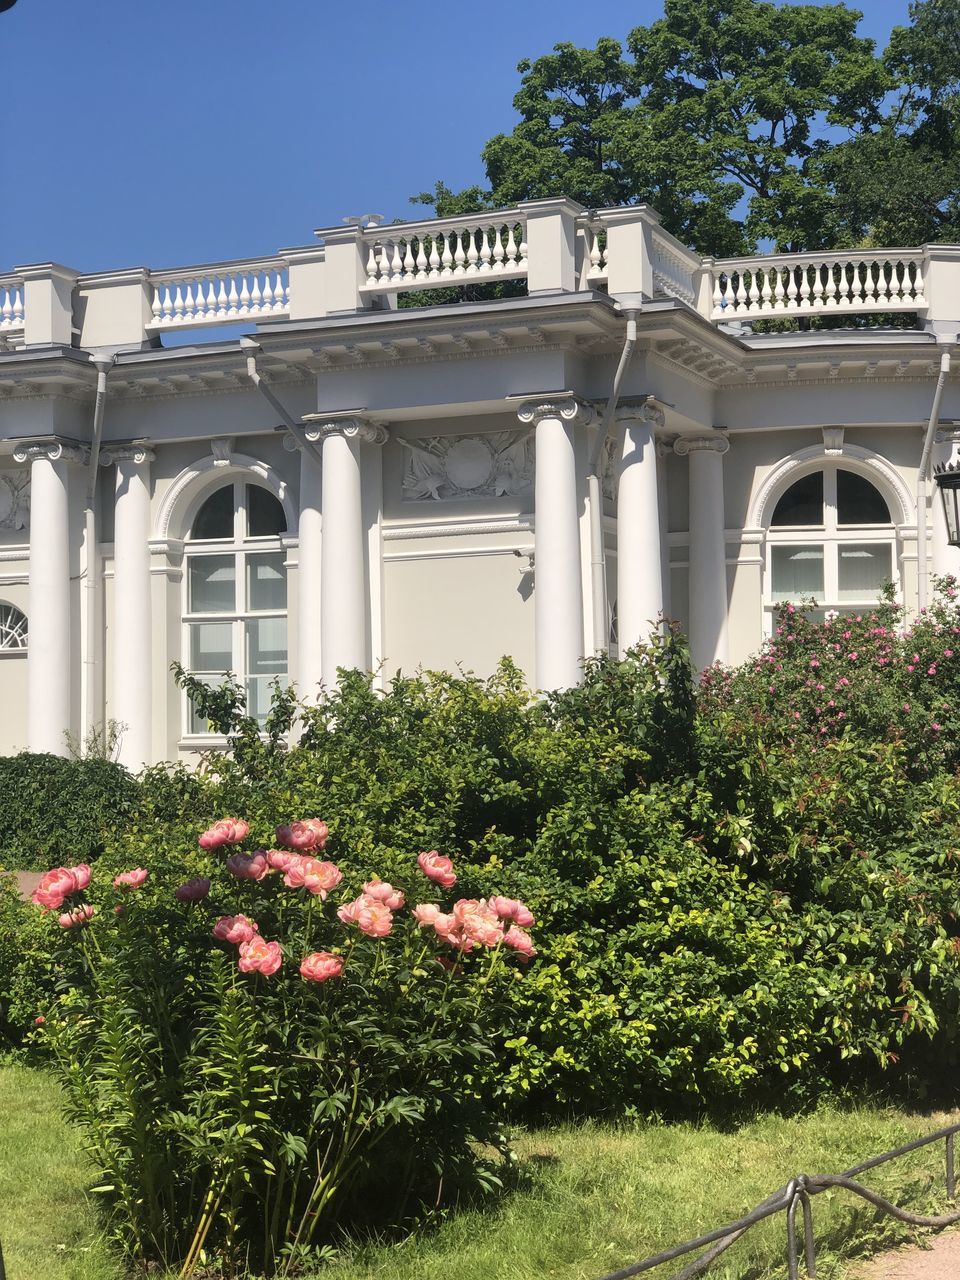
(529, 432)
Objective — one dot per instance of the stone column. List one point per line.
(309, 577)
(639, 558)
(131, 703)
(343, 577)
(49, 650)
(708, 551)
(558, 590)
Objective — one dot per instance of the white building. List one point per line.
(386, 486)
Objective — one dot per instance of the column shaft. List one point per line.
(639, 564)
(131, 701)
(309, 576)
(708, 552)
(49, 645)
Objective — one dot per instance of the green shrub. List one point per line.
(53, 809)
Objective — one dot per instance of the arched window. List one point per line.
(235, 612)
(13, 629)
(831, 539)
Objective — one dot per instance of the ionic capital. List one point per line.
(563, 406)
(135, 451)
(318, 426)
(649, 412)
(700, 444)
(51, 448)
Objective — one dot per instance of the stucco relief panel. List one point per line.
(15, 499)
(495, 465)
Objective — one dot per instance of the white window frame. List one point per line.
(241, 547)
(9, 613)
(830, 535)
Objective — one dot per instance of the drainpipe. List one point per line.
(294, 428)
(598, 567)
(103, 363)
(923, 590)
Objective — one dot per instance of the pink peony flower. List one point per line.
(426, 913)
(54, 887)
(81, 873)
(303, 836)
(378, 890)
(130, 879)
(226, 831)
(248, 866)
(280, 859)
(39, 1020)
(437, 867)
(308, 873)
(350, 911)
(511, 909)
(193, 890)
(520, 941)
(477, 922)
(235, 929)
(321, 965)
(258, 956)
(79, 915)
(374, 918)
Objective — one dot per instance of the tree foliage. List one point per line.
(743, 121)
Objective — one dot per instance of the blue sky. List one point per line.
(189, 131)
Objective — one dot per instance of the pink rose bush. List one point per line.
(247, 991)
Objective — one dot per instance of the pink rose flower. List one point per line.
(520, 941)
(258, 956)
(226, 831)
(303, 836)
(378, 890)
(512, 909)
(193, 890)
(248, 866)
(54, 886)
(437, 867)
(426, 913)
(130, 879)
(235, 929)
(319, 966)
(79, 915)
(374, 918)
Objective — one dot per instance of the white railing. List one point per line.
(818, 284)
(219, 293)
(11, 304)
(674, 268)
(445, 251)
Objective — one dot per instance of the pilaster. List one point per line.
(708, 560)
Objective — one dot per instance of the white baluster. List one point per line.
(167, 304)
(178, 303)
(256, 296)
(372, 265)
(718, 292)
(188, 302)
(804, 284)
(267, 294)
(898, 281)
(753, 294)
(222, 299)
(472, 255)
(766, 293)
(18, 307)
(421, 259)
(447, 257)
(485, 250)
(498, 250)
(396, 264)
(409, 261)
(779, 292)
(459, 257)
(244, 307)
(522, 248)
(434, 258)
(6, 311)
(156, 306)
(830, 292)
(594, 242)
(210, 303)
(233, 297)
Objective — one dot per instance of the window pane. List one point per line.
(215, 517)
(797, 573)
(267, 647)
(802, 503)
(863, 570)
(258, 697)
(211, 646)
(265, 517)
(266, 581)
(212, 584)
(858, 502)
(196, 722)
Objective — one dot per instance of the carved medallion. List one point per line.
(490, 466)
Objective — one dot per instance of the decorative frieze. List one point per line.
(15, 499)
(496, 465)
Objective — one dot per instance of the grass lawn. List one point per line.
(592, 1198)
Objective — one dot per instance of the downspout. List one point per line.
(598, 567)
(103, 363)
(294, 428)
(923, 593)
